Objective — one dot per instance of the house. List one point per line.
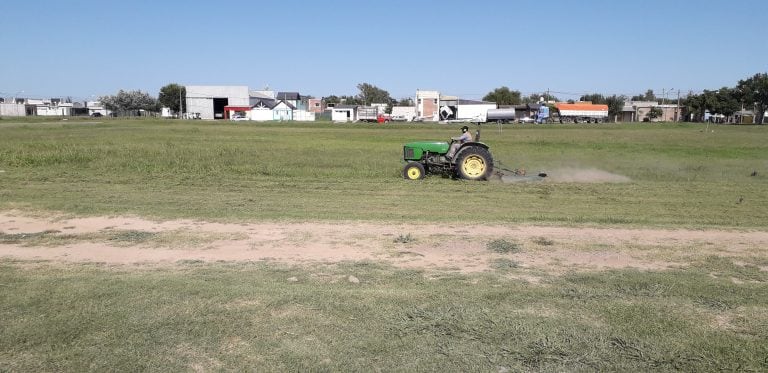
(267, 109)
(283, 111)
(293, 98)
(315, 105)
(637, 111)
(47, 107)
(344, 113)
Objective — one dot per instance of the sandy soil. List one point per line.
(462, 248)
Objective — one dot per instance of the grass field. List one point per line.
(681, 175)
(707, 312)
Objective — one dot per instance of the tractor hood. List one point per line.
(415, 150)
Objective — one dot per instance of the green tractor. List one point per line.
(472, 161)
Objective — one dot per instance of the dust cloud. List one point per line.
(585, 175)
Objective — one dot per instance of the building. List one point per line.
(315, 105)
(292, 98)
(344, 113)
(428, 105)
(637, 111)
(12, 110)
(209, 102)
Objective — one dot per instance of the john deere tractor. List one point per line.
(472, 161)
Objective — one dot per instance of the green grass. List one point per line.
(681, 176)
(269, 318)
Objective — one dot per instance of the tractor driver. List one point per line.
(458, 141)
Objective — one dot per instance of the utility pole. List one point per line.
(181, 108)
(678, 111)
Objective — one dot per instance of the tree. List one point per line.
(594, 98)
(405, 102)
(332, 99)
(370, 94)
(535, 98)
(503, 96)
(649, 96)
(726, 101)
(169, 97)
(615, 105)
(753, 92)
(654, 112)
(125, 101)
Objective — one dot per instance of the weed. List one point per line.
(408, 238)
(503, 246)
(543, 241)
(503, 264)
(130, 236)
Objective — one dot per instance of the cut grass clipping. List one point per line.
(502, 246)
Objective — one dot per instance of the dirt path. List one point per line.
(131, 240)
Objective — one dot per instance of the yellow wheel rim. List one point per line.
(473, 166)
(414, 173)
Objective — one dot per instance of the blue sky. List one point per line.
(89, 48)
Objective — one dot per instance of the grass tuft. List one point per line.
(407, 238)
(503, 246)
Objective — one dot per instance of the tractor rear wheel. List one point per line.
(413, 171)
(474, 163)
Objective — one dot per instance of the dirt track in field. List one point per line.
(462, 248)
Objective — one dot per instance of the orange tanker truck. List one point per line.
(581, 112)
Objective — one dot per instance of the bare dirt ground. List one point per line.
(462, 248)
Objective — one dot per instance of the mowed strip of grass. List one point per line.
(712, 316)
(681, 175)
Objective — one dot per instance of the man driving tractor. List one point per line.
(458, 141)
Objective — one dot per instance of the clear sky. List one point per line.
(84, 48)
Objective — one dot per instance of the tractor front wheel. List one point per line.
(414, 171)
(474, 163)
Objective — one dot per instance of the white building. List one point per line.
(428, 105)
(344, 113)
(210, 101)
(12, 110)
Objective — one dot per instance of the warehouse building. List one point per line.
(209, 102)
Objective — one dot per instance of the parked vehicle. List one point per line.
(582, 113)
(367, 114)
(238, 117)
(506, 115)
